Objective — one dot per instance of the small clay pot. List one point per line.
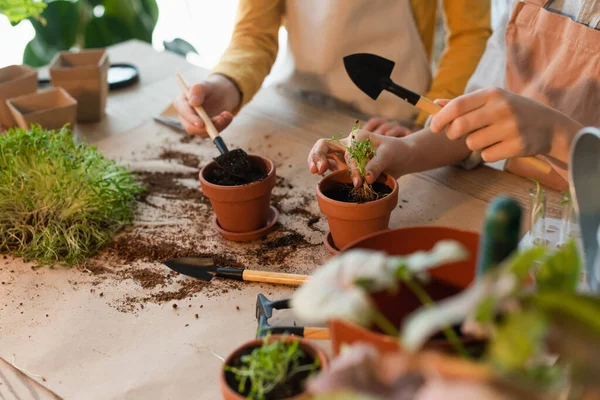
(15, 81)
(351, 221)
(242, 208)
(447, 280)
(230, 393)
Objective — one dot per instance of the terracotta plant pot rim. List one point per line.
(405, 228)
(383, 178)
(205, 183)
(305, 344)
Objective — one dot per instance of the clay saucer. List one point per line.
(328, 241)
(249, 236)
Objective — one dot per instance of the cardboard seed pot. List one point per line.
(15, 81)
(83, 75)
(52, 109)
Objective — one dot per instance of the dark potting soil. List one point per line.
(235, 169)
(287, 389)
(343, 192)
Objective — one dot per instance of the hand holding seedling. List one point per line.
(373, 155)
(217, 95)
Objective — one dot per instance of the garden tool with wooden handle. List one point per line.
(371, 74)
(204, 268)
(210, 127)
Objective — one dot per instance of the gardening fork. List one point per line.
(264, 311)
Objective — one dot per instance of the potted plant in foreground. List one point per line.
(543, 341)
(239, 188)
(356, 212)
(273, 368)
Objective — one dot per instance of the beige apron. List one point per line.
(554, 60)
(322, 32)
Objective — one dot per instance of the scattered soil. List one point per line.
(166, 185)
(235, 169)
(290, 388)
(187, 159)
(343, 192)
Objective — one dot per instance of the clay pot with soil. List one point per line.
(348, 219)
(241, 203)
(446, 280)
(249, 370)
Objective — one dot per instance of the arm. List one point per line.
(468, 23)
(253, 47)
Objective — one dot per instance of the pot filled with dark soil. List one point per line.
(446, 281)
(349, 216)
(239, 188)
(273, 368)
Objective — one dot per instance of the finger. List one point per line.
(374, 169)
(192, 129)
(457, 107)
(441, 102)
(187, 113)
(503, 150)
(357, 180)
(485, 137)
(197, 94)
(362, 134)
(398, 131)
(473, 121)
(317, 159)
(383, 128)
(222, 120)
(334, 166)
(373, 124)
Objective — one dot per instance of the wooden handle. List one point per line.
(274, 277)
(316, 333)
(210, 127)
(429, 106)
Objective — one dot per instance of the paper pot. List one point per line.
(242, 208)
(15, 81)
(52, 109)
(351, 221)
(84, 76)
(228, 382)
(447, 280)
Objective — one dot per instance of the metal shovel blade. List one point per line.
(584, 176)
(197, 267)
(368, 71)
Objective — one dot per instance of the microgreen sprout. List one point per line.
(361, 152)
(271, 365)
(59, 201)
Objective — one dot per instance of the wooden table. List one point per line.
(68, 334)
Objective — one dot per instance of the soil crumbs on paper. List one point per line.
(174, 219)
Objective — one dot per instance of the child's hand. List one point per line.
(386, 127)
(218, 95)
(328, 154)
(502, 124)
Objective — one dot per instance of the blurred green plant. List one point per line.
(64, 24)
(17, 10)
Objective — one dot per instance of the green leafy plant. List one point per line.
(59, 201)
(270, 365)
(17, 10)
(361, 152)
(65, 24)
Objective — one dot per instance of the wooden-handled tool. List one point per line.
(204, 268)
(210, 127)
(372, 74)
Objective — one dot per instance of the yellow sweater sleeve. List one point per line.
(254, 44)
(468, 25)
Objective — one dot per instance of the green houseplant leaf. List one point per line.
(59, 32)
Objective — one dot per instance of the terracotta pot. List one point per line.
(15, 81)
(242, 208)
(447, 280)
(83, 75)
(351, 221)
(229, 392)
(51, 109)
